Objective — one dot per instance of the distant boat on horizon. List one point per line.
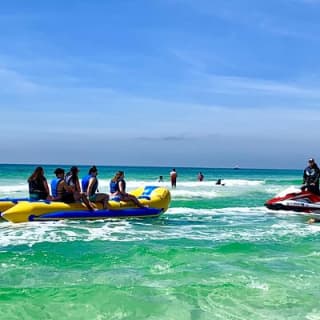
(236, 167)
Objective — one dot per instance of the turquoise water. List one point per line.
(217, 253)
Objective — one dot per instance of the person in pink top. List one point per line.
(173, 178)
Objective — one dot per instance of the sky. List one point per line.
(200, 83)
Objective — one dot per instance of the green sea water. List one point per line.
(217, 253)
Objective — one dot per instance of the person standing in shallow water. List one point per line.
(173, 178)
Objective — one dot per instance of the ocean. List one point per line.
(217, 253)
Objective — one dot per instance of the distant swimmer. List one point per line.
(219, 182)
(160, 179)
(200, 176)
(173, 178)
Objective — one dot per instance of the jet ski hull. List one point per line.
(295, 200)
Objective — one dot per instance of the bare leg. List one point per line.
(130, 197)
(104, 199)
(86, 201)
(82, 197)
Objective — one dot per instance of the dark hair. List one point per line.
(93, 169)
(37, 173)
(117, 176)
(74, 170)
(59, 171)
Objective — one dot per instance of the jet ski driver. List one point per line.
(311, 175)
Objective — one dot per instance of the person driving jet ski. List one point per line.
(311, 175)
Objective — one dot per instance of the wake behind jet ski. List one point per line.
(295, 199)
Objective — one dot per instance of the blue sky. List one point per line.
(160, 82)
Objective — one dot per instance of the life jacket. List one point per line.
(70, 182)
(54, 186)
(310, 171)
(85, 183)
(114, 186)
(311, 175)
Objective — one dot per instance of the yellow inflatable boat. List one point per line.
(157, 200)
(7, 203)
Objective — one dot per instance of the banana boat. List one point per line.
(155, 199)
(7, 203)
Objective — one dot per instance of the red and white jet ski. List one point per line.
(294, 199)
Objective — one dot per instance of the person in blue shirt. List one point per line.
(90, 188)
(60, 190)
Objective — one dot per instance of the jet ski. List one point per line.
(294, 199)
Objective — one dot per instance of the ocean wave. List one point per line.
(226, 211)
(11, 189)
(230, 225)
(184, 190)
(194, 184)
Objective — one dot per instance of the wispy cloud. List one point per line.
(14, 82)
(232, 85)
(260, 17)
(178, 74)
(204, 81)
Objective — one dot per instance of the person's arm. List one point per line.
(91, 183)
(316, 175)
(46, 187)
(78, 187)
(121, 188)
(304, 176)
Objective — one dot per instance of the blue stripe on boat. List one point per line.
(147, 192)
(16, 200)
(85, 214)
